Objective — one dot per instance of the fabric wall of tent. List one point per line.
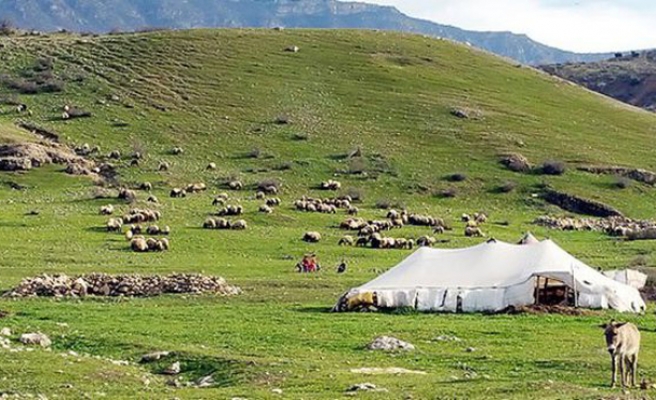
(492, 276)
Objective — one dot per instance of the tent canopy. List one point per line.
(492, 276)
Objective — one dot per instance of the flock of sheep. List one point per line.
(369, 232)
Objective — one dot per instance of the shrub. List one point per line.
(282, 120)
(254, 153)
(622, 182)
(457, 177)
(269, 182)
(356, 194)
(286, 166)
(507, 187)
(448, 193)
(384, 204)
(357, 166)
(553, 167)
(300, 137)
(7, 27)
(639, 261)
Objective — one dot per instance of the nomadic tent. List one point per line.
(491, 277)
(630, 277)
(528, 238)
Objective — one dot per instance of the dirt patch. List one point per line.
(639, 175)
(386, 371)
(132, 285)
(544, 309)
(580, 205)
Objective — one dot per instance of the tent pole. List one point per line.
(576, 296)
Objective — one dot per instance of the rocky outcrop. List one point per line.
(579, 205)
(639, 175)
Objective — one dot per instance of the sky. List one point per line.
(575, 25)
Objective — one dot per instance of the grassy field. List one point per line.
(217, 94)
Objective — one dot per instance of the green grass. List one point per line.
(390, 94)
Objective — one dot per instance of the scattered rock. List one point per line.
(276, 391)
(205, 381)
(639, 175)
(470, 349)
(5, 332)
(388, 343)
(172, 369)
(132, 285)
(386, 371)
(35, 339)
(154, 356)
(365, 387)
(447, 338)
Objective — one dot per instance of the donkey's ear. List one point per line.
(603, 326)
(620, 324)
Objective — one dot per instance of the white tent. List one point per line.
(528, 238)
(492, 276)
(630, 277)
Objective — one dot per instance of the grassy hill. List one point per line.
(218, 95)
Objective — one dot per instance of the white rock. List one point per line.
(388, 343)
(205, 381)
(276, 391)
(173, 369)
(5, 332)
(35, 339)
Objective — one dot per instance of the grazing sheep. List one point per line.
(265, 209)
(260, 195)
(152, 244)
(312, 237)
(352, 210)
(146, 186)
(152, 199)
(273, 202)
(480, 218)
(209, 223)
(164, 243)
(346, 241)
(426, 241)
(177, 151)
(235, 185)
(465, 218)
(134, 163)
(129, 235)
(139, 245)
(127, 194)
(137, 155)
(107, 210)
(393, 214)
(240, 224)
(196, 188)
(362, 242)
(139, 216)
(218, 201)
(231, 210)
(330, 185)
(115, 155)
(163, 166)
(211, 166)
(472, 231)
(270, 189)
(438, 230)
(178, 193)
(166, 230)
(136, 229)
(114, 225)
(153, 230)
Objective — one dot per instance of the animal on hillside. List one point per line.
(177, 193)
(312, 237)
(623, 345)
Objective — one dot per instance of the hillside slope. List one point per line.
(373, 110)
(630, 78)
(104, 16)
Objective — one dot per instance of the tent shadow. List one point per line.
(314, 310)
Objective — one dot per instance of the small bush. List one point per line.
(357, 166)
(384, 204)
(448, 193)
(356, 194)
(507, 187)
(622, 182)
(7, 27)
(286, 166)
(457, 177)
(553, 167)
(269, 182)
(254, 153)
(299, 137)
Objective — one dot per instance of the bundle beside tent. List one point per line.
(492, 276)
(630, 277)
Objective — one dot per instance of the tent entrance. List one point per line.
(552, 292)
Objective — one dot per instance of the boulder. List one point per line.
(34, 339)
(388, 343)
